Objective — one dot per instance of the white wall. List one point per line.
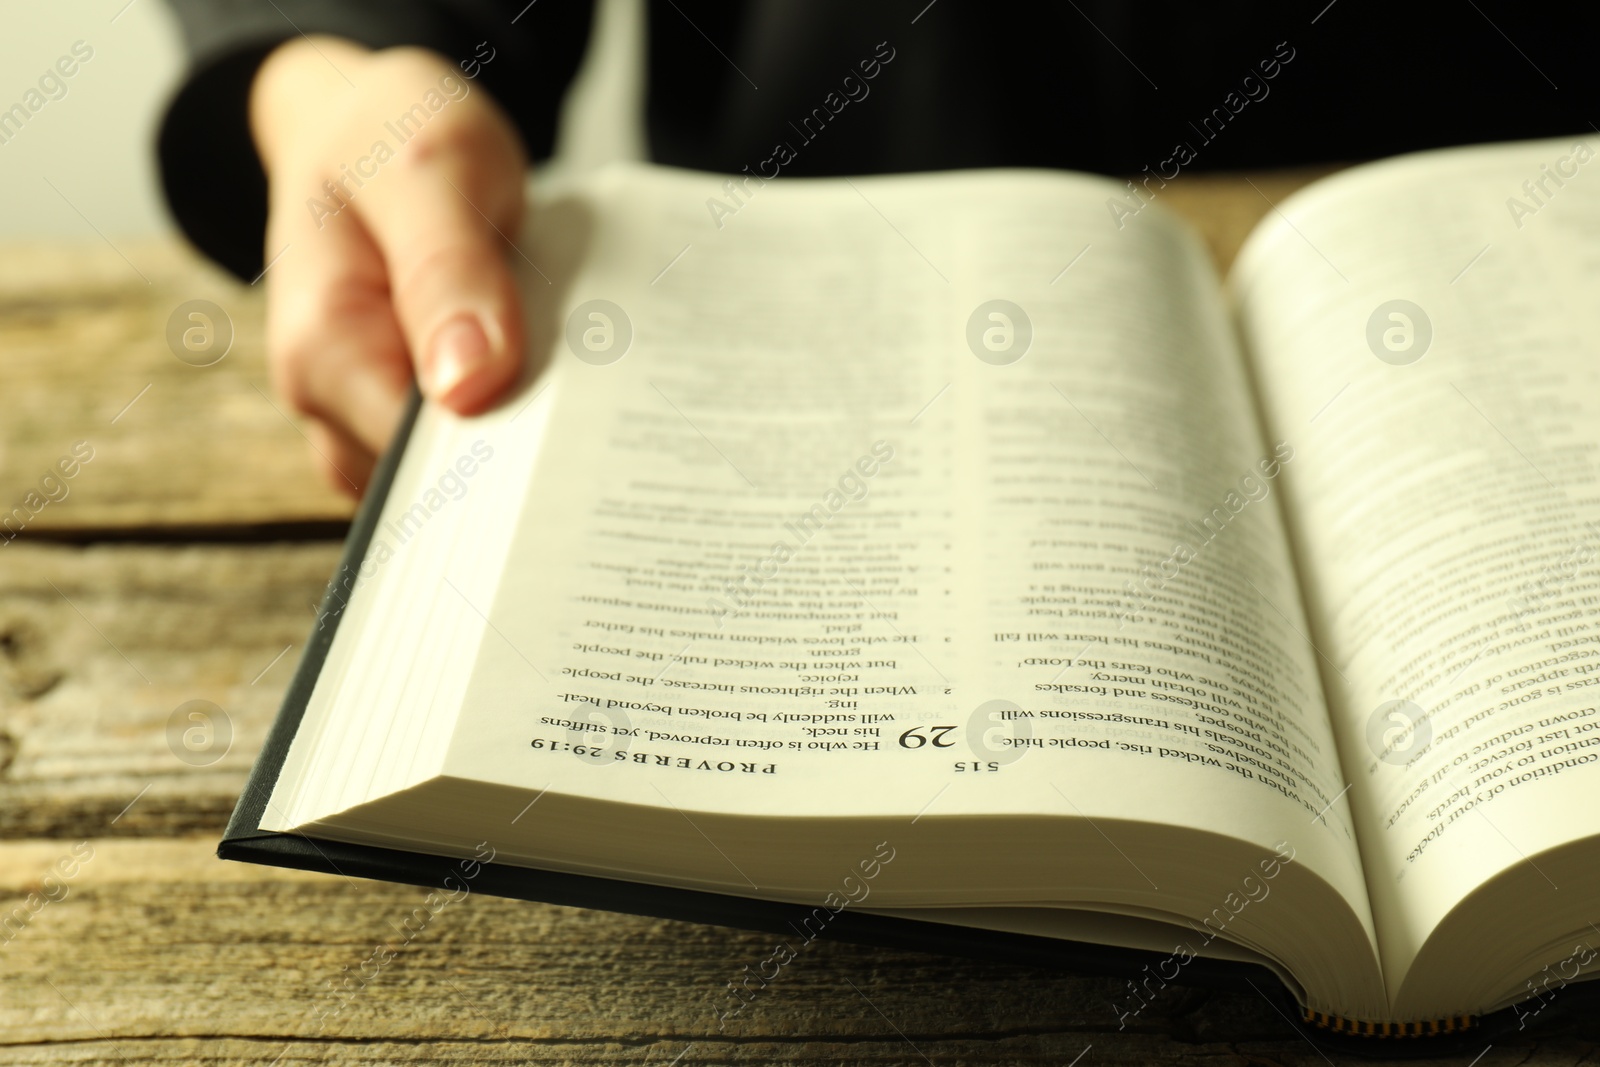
(95, 144)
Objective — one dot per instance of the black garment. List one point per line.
(1099, 85)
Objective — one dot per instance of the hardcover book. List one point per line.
(955, 561)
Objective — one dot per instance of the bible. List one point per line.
(955, 560)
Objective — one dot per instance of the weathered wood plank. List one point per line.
(98, 648)
(156, 951)
(84, 334)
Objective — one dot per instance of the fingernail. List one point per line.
(460, 350)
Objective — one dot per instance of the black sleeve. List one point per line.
(213, 180)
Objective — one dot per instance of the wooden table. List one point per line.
(183, 565)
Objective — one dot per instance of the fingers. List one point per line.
(336, 350)
(385, 241)
(437, 214)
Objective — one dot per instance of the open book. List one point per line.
(958, 547)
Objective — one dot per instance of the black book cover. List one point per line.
(245, 841)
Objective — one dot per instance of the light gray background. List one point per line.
(95, 145)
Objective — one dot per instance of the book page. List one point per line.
(930, 497)
(1424, 328)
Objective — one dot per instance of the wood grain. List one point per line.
(84, 334)
(99, 645)
(159, 952)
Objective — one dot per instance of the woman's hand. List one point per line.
(390, 204)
